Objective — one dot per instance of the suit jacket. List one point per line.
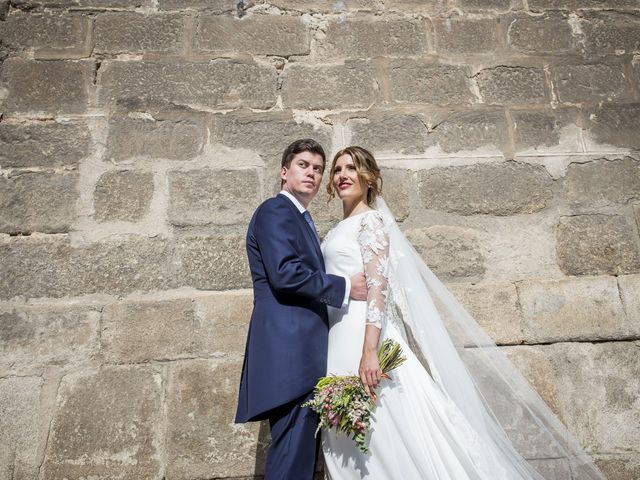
(286, 349)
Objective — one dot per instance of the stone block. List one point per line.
(482, 5)
(602, 182)
(597, 245)
(43, 334)
(546, 34)
(213, 197)
(541, 5)
(350, 85)
(223, 320)
(202, 440)
(173, 139)
(54, 87)
(394, 133)
(129, 32)
(598, 388)
(4, 53)
(603, 4)
(397, 190)
(507, 85)
(100, 5)
(519, 246)
(453, 253)
(217, 84)
(211, 6)
(617, 125)
(629, 286)
(495, 308)
(371, 37)
(140, 331)
(19, 438)
(591, 392)
(611, 33)
(553, 469)
(537, 369)
(268, 134)
(123, 195)
(416, 6)
(535, 130)
(491, 188)
(469, 130)
(581, 309)
(414, 81)
(519, 424)
(591, 83)
(43, 144)
(254, 34)
(107, 424)
(619, 466)
(4, 9)
(466, 36)
(38, 202)
(212, 263)
(50, 35)
(49, 266)
(326, 6)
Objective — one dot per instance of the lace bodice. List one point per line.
(361, 244)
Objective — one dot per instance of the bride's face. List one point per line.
(346, 181)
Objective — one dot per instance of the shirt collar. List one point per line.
(295, 201)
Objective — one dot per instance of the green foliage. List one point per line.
(342, 402)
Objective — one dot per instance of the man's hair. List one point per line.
(299, 146)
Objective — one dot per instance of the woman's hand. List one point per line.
(369, 371)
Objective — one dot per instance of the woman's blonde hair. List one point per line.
(366, 168)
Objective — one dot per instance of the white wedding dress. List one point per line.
(416, 431)
(457, 409)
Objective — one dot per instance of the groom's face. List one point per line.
(302, 178)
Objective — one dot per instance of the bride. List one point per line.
(457, 408)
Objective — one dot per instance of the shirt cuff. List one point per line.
(347, 291)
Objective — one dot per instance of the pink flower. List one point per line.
(334, 419)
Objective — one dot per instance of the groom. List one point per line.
(286, 348)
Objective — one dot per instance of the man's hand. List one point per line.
(358, 287)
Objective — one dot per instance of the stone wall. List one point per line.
(138, 136)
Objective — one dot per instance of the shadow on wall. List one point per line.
(264, 438)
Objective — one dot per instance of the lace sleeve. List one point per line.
(374, 247)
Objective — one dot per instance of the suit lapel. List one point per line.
(305, 227)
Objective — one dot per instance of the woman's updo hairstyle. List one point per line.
(366, 168)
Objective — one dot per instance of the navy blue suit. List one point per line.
(286, 348)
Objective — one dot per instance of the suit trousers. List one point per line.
(294, 448)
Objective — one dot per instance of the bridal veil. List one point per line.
(512, 420)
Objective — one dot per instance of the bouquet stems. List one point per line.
(342, 402)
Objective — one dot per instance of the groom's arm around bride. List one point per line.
(286, 348)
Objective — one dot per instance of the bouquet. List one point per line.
(342, 402)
